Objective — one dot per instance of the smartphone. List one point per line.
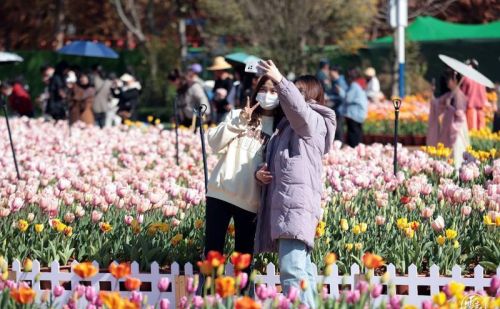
(251, 67)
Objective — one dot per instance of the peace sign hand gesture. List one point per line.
(248, 110)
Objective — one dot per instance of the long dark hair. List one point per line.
(311, 89)
(257, 114)
(183, 84)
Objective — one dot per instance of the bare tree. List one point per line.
(286, 30)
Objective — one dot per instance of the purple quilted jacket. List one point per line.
(290, 204)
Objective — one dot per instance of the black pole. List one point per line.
(199, 113)
(176, 122)
(10, 138)
(396, 121)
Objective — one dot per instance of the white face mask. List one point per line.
(267, 100)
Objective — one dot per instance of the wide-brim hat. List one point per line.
(126, 78)
(219, 64)
(370, 72)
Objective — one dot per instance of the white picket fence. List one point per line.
(430, 284)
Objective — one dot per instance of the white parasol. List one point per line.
(467, 71)
(9, 57)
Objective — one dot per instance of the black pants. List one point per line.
(339, 130)
(354, 132)
(496, 122)
(218, 215)
(100, 119)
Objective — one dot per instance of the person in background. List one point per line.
(234, 96)
(476, 99)
(354, 109)
(112, 119)
(496, 108)
(102, 99)
(339, 85)
(373, 87)
(42, 100)
(193, 73)
(19, 99)
(222, 86)
(323, 75)
(81, 98)
(128, 96)
(190, 95)
(57, 104)
(291, 179)
(448, 122)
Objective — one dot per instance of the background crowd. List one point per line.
(74, 94)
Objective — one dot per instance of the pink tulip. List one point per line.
(243, 277)
(140, 218)
(58, 291)
(91, 294)
(395, 302)
(191, 285)
(80, 290)
(90, 306)
(494, 285)
(272, 291)
(128, 219)
(163, 284)
(69, 217)
(96, 216)
(136, 297)
(427, 304)
(438, 224)
(63, 184)
(362, 286)
(293, 294)
(198, 301)
(427, 212)
(353, 297)
(466, 210)
(165, 303)
(183, 304)
(376, 291)
(284, 303)
(261, 292)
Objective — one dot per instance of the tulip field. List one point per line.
(118, 194)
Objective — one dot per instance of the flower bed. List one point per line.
(412, 129)
(117, 194)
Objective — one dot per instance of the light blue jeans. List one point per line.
(295, 265)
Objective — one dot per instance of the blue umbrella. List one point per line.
(88, 49)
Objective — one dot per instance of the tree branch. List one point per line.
(136, 31)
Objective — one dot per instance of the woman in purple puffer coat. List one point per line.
(292, 178)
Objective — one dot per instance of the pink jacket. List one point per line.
(451, 106)
(474, 92)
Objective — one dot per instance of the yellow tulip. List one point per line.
(440, 240)
(439, 299)
(38, 228)
(22, 225)
(358, 246)
(456, 245)
(330, 258)
(487, 220)
(344, 225)
(356, 229)
(451, 234)
(349, 247)
(363, 227)
(409, 232)
(456, 288)
(402, 223)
